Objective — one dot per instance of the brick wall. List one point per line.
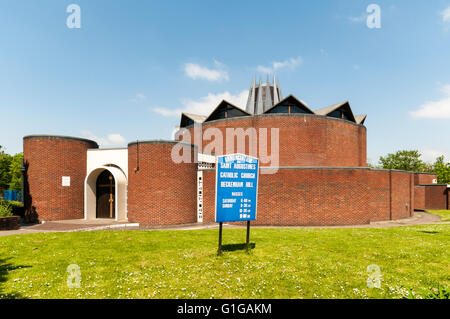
(47, 160)
(161, 192)
(419, 198)
(326, 196)
(424, 178)
(304, 140)
(436, 197)
(378, 194)
(402, 192)
(9, 223)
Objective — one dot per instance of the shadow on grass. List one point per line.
(429, 231)
(234, 247)
(5, 268)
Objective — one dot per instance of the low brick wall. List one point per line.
(436, 197)
(9, 223)
(419, 197)
(299, 196)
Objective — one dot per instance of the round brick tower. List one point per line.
(55, 169)
(160, 190)
(304, 139)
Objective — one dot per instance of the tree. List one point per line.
(5, 175)
(10, 171)
(16, 173)
(370, 165)
(404, 160)
(442, 170)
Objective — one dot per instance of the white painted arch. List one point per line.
(90, 192)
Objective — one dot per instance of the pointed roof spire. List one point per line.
(279, 90)
(268, 100)
(259, 101)
(250, 108)
(263, 95)
(276, 97)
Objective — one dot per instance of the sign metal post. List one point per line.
(248, 234)
(219, 251)
(236, 191)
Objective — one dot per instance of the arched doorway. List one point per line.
(105, 191)
(92, 194)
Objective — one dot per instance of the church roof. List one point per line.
(360, 119)
(189, 119)
(266, 98)
(292, 99)
(344, 107)
(195, 117)
(226, 110)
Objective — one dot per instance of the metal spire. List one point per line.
(250, 108)
(263, 96)
(279, 89)
(276, 98)
(268, 100)
(259, 103)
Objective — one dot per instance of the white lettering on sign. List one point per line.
(66, 181)
(244, 166)
(228, 175)
(231, 184)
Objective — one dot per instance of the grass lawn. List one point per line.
(444, 214)
(285, 263)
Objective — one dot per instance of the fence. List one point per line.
(12, 195)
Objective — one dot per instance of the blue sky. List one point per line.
(133, 65)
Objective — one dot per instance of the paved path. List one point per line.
(69, 226)
(419, 218)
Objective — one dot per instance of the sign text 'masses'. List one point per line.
(236, 188)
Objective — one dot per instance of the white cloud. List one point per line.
(195, 71)
(445, 88)
(113, 139)
(138, 98)
(446, 15)
(434, 110)
(291, 64)
(429, 154)
(439, 109)
(204, 105)
(356, 67)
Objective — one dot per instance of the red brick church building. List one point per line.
(320, 176)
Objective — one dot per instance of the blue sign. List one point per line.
(236, 188)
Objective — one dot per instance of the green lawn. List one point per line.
(285, 263)
(444, 214)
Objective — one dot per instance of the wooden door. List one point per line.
(105, 195)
